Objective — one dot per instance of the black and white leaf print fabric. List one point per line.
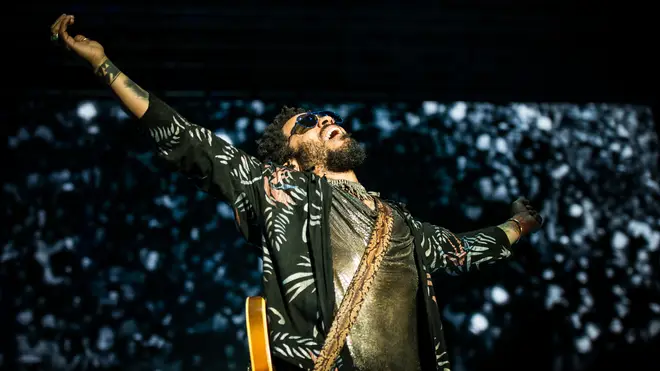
(299, 281)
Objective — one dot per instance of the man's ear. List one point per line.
(294, 164)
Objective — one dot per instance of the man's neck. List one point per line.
(347, 175)
(350, 177)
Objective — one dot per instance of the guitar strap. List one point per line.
(358, 288)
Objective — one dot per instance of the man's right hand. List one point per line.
(90, 50)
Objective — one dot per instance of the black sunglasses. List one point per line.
(310, 119)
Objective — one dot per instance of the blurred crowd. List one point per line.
(110, 262)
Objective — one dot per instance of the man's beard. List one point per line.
(347, 157)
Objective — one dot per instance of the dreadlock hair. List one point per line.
(273, 144)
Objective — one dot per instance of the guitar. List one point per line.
(257, 332)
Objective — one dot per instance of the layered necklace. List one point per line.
(355, 189)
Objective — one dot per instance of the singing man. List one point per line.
(346, 273)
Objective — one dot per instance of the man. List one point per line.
(314, 221)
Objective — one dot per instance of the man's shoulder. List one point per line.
(287, 186)
(398, 205)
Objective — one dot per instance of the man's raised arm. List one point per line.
(216, 166)
(133, 97)
(460, 252)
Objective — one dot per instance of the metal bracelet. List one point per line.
(519, 227)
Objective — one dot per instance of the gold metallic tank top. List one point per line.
(384, 336)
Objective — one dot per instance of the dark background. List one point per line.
(199, 55)
(456, 50)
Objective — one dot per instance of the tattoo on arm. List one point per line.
(108, 72)
(136, 89)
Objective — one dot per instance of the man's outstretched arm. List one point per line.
(216, 166)
(460, 252)
(133, 97)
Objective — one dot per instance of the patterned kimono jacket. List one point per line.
(286, 214)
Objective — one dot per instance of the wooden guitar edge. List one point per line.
(256, 305)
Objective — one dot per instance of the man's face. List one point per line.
(325, 145)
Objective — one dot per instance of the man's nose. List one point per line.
(325, 121)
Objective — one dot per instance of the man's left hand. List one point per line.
(522, 211)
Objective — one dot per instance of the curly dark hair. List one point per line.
(273, 146)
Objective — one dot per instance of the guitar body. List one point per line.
(257, 332)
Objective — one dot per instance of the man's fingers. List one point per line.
(54, 28)
(64, 35)
(537, 217)
(61, 28)
(64, 24)
(80, 38)
(63, 20)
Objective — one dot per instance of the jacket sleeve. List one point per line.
(457, 253)
(214, 165)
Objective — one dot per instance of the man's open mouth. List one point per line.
(332, 132)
